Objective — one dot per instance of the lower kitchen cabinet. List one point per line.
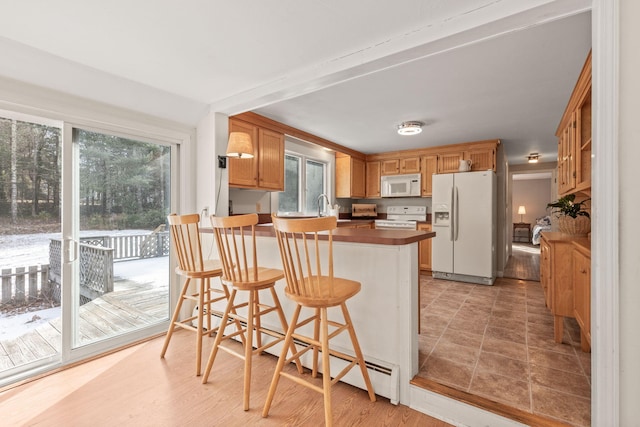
(556, 276)
(424, 249)
(581, 262)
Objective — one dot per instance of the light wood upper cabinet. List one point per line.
(390, 167)
(270, 160)
(266, 169)
(372, 180)
(429, 167)
(350, 176)
(398, 166)
(244, 172)
(410, 165)
(574, 138)
(482, 159)
(424, 249)
(450, 162)
(583, 143)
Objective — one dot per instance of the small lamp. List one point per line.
(521, 211)
(240, 145)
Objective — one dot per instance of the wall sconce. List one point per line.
(239, 147)
(533, 157)
(521, 211)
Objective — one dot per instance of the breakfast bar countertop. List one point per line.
(358, 235)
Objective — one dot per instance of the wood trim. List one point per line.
(264, 122)
(486, 404)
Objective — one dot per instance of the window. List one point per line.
(304, 180)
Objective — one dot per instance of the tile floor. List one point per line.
(497, 342)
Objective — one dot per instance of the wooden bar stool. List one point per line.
(300, 251)
(185, 239)
(242, 273)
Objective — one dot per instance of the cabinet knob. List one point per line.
(583, 271)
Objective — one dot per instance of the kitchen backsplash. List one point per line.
(250, 201)
(383, 204)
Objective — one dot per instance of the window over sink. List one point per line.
(304, 180)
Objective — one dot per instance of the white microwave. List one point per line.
(407, 185)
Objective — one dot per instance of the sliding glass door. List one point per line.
(84, 249)
(120, 241)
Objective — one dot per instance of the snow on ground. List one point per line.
(22, 250)
(15, 326)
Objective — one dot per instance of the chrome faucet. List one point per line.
(320, 199)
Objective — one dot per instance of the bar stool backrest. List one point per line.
(185, 234)
(230, 233)
(307, 262)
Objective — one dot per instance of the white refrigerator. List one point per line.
(464, 219)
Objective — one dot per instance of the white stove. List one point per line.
(402, 218)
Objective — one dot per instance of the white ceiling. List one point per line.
(346, 71)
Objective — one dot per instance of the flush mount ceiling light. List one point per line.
(410, 128)
(533, 158)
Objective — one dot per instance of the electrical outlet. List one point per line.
(258, 206)
(205, 212)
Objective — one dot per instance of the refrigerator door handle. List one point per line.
(451, 211)
(456, 215)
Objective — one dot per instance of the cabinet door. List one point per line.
(244, 172)
(583, 143)
(449, 162)
(481, 159)
(390, 167)
(350, 177)
(372, 180)
(429, 167)
(357, 178)
(410, 165)
(545, 271)
(424, 249)
(582, 296)
(271, 160)
(566, 161)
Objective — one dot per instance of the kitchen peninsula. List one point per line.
(385, 312)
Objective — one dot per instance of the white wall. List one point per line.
(533, 194)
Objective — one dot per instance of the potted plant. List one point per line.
(572, 216)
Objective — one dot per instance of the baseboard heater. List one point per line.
(384, 376)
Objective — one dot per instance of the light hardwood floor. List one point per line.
(135, 387)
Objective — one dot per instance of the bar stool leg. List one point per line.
(356, 349)
(316, 337)
(219, 336)
(248, 350)
(174, 319)
(326, 367)
(283, 356)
